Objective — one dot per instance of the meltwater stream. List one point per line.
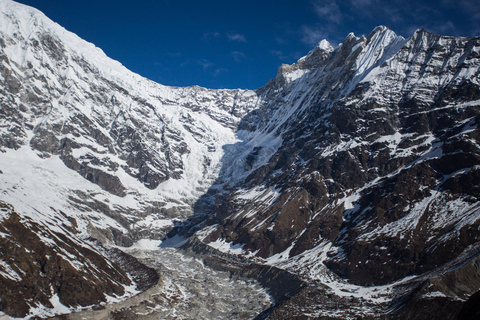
(187, 290)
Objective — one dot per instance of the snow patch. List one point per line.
(147, 244)
(8, 272)
(174, 242)
(227, 247)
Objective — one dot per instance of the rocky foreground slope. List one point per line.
(356, 169)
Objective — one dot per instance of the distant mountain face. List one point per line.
(360, 161)
(376, 177)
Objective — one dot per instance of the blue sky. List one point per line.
(240, 44)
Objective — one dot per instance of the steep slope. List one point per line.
(46, 270)
(376, 171)
(151, 150)
(92, 150)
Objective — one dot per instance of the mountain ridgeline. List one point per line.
(356, 171)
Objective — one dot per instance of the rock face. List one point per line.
(356, 163)
(378, 162)
(42, 268)
(90, 148)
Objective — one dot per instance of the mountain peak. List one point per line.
(380, 28)
(324, 45)
(382, 32)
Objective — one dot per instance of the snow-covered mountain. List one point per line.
(92, 150)
(149, 150)
(356, 169)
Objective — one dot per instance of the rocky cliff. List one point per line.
(92, 150)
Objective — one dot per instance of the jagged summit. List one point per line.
(382, 44)
(324, 45)
(355, 170)
(380, 29)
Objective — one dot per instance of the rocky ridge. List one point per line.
(44, 268)
(154, 148)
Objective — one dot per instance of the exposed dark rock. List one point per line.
(77, 274)
(45, 141)
(434, 296)
(143, 276)
(471, 308)
(405, 150)
(109, 182)
(372, 148)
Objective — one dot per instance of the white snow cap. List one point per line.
(324, 45)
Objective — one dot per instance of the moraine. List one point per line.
(187, 289)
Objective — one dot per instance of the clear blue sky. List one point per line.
(240, 44)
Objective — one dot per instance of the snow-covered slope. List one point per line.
(90, 149)
(148, 150)
(358, 163)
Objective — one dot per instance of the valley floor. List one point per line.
(187, 290)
